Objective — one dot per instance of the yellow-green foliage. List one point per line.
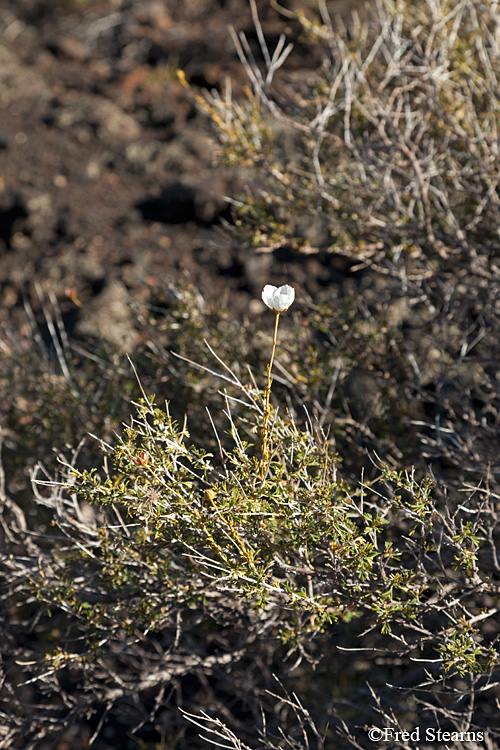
(298, 538)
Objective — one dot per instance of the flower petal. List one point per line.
(286, 295)
(268, 295)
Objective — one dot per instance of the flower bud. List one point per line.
(278, 299)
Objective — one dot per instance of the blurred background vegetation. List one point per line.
(361, 166)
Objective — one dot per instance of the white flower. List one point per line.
(278, 299)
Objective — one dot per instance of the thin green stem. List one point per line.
(265, 421)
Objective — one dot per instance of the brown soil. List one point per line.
(107, 176)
